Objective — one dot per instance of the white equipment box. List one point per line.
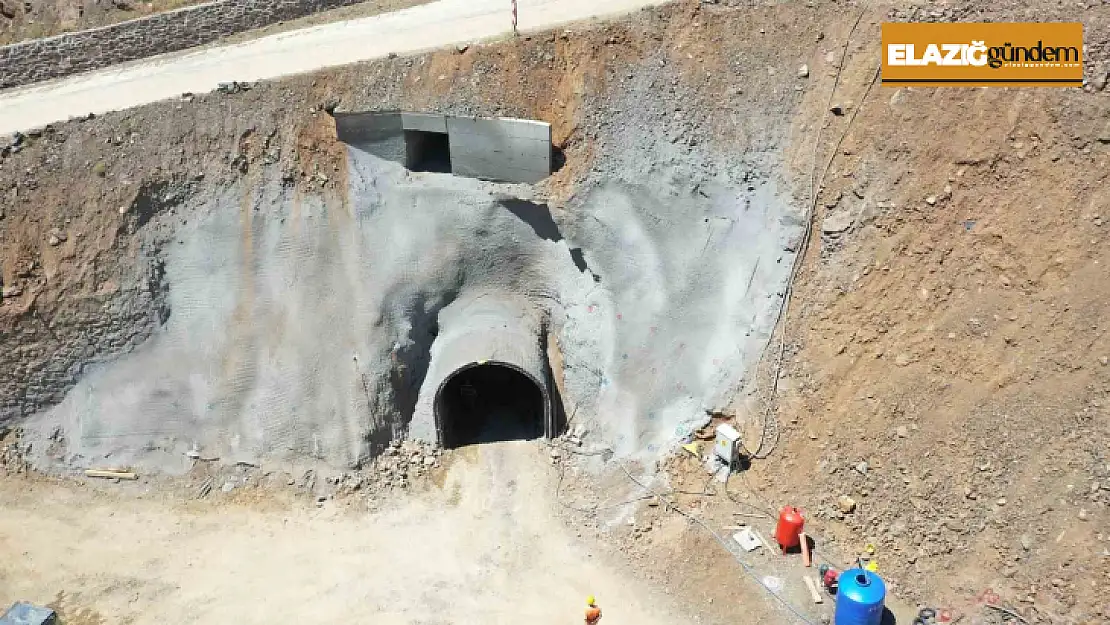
(727, 445)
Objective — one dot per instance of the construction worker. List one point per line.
(593, 613)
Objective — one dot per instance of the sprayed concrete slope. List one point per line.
(303, 329)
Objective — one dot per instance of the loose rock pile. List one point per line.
(402, 465)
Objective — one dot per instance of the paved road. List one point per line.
(424, 27)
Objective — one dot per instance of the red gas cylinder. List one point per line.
(789, 526)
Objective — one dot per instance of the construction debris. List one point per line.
(23, 613)
(112, 474)
(813, 592)
(747, 539)
(233, 87)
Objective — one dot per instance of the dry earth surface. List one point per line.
(481, 545)
(945, 356)
(946, 351)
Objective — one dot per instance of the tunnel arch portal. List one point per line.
(488, 401)
(488, 376)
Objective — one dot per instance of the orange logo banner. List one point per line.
(1046, 54)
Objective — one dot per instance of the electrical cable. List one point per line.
(669, 505)
(595, 508)
(664, 499)
(761, 512)
(780, 318)
(769, 404)
(1006, 611)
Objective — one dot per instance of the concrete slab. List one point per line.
(508, 150)
(507, 126)
(510, 146)
(427, 122)
(380, 133)
(499, 149)
(480, 168)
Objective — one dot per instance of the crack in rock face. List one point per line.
(296, 328)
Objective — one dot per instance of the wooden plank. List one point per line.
(111, 474)
(812, 586)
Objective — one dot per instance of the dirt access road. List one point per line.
(424, 27)
(486, 548)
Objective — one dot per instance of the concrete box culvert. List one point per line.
(488, 376)
(498, 149)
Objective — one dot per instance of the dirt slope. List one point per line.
(946, 349)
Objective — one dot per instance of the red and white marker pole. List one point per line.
(514, 17)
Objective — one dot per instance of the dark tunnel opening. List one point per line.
(427, 151)
(488, 402)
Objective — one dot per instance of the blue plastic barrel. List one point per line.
(859, 598)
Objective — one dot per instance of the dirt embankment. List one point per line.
(76, 291)
(947, 347)
(945, 393)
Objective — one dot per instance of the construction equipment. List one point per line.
(789, 528)
(727, 446)
(830, 578)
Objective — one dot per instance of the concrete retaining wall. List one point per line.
(379, 133)
(73, 53)
(513, 150)
(499, 149)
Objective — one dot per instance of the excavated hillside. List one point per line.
(946, 354)
(938, 387)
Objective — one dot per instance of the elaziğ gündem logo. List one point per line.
(980, 54)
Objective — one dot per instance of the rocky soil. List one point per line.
(943, 392)
(406, 466)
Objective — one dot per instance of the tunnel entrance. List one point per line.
(427, 151)
(488, 402)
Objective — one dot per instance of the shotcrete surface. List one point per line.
(498, 326)
(289, 319)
